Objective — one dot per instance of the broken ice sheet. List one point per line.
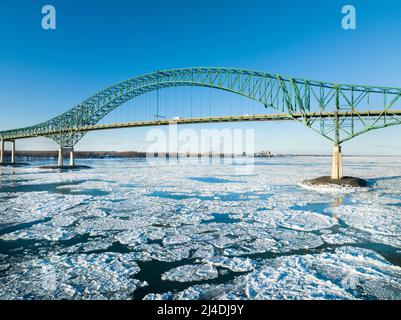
(191, 273)
(169, 229)
(337, 238)
(31, 206)
(290, 240)
(203, 251)
(372, 218)
(176, 239)
(234, 264)
(161, 253)
(348, 273)
(307, 221)
(131, 237)
(93, 276)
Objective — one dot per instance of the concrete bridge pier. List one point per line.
(337, 177)
(72, 157)
(1, 151)
(13, 152)
(337, 163)
(60, 161)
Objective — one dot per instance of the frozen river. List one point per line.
(127, 229)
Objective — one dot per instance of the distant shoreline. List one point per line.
(140, 154)
(127, 154)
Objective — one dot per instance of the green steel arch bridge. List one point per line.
(338, 112)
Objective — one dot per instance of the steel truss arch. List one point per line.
(347, 104)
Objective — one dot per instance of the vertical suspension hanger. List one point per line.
(174, 101)
(157, 104)
(131, 108)
(165, 95)
(242, 105)
(191, 100)
(200, 105)
(210, 103)
(149, 108)
(135, 108)
(229, 104)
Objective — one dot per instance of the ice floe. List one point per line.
(234, 264)
(93, 276)
(271, 237)
(347, 273)
(191, 273)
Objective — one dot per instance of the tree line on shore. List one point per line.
(129, 154)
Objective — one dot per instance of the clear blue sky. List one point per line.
(98, 43)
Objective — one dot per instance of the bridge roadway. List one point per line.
(337, 160)
(241, 118)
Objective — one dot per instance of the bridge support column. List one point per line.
(13, 152)
(1, 151)
(337, 163)
(60, 157)
(72, 157)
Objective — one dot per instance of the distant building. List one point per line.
(264, 154)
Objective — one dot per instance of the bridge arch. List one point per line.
(323, 106)
(119, 100)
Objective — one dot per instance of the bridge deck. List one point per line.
(242, 118)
